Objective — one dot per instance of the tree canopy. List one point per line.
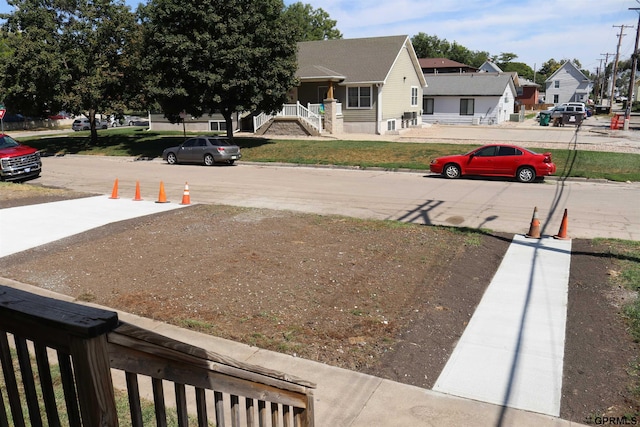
(69, 55)
(310, 24)
(427, 46)
(231, 56)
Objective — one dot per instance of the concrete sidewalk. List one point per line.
(342, 397)
(512, 351)
(57, 220)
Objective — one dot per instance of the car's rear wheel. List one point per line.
(172, 159)
(452, 171)
(209, 160)
(231, 162)
(526, 174)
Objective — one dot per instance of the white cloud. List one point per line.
(535, 30)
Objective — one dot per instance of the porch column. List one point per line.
(330, 115)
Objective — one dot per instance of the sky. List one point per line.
(534, 30)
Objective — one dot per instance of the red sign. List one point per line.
(2, 113)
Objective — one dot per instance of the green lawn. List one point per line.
(366, 154)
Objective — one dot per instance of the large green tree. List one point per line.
(222, 56)
(311, 24)
(31, 73)
(429, 46)
(75, 55)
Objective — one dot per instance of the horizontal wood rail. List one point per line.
(90, 344)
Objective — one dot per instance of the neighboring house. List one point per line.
(567, 84)
(206, 123)
(367, 85)
(489, 67)
(528, 93)
(444, 65)
(470, 98)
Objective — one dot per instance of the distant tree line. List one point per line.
(431, 46)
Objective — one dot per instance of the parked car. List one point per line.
(203, 149)
(496, 160)
(62, 115)
(18, 161)
(568, 107)
(136, 121)
(84, 124)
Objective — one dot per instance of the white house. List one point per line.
(470, 98)
(567, 84)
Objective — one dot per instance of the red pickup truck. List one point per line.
(18, 161)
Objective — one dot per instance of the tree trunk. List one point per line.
(92, 123)
(227, 118)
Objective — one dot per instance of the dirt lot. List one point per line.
(377, 297)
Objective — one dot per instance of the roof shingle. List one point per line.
(363, 60)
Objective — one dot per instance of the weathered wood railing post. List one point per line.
(77, 332)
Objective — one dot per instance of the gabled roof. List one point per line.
(573, 70)
(441, 63)
(468, 84)
(526, 82)
(352, 61)
(490, 67)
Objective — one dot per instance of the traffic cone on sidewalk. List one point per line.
(534, 228)
(114, 192)
(162, 197)
(562, 233)
(186, 199)
(137, 197)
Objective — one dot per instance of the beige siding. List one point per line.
(396, 94)
(357, 114)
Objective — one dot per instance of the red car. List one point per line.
(496, 160)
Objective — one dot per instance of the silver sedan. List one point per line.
(203, 149)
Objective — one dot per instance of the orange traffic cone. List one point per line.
(186, 199)
(114, 192)
(137, 197)
(534, 228)
(562, 233)
(162, 197)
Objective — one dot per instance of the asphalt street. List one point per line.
(595, 209)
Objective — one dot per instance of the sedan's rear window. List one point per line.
(509, 151)
(216, 141)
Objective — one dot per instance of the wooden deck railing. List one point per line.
(89, 345)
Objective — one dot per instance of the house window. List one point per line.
(427, 105)
(556, 84)
(466, 107)
(391, 124)
(359, 97)
(217, 125)
(556, 99)
(414, 96)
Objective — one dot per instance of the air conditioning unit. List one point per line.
(408, 115)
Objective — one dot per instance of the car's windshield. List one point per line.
(7, 142)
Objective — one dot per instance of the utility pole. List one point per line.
(599, 82)
(606, 60)
(632, 83)
(615, 65)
